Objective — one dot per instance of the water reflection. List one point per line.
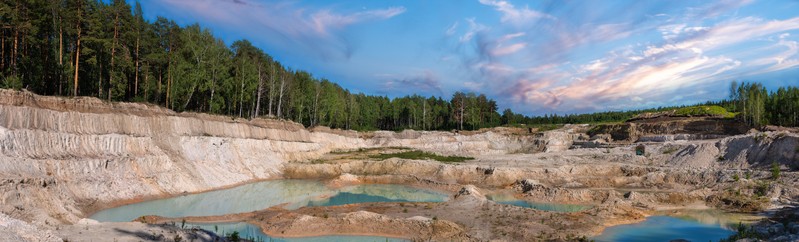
(691, 225)
(257, 196)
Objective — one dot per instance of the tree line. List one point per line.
(757, 106)
(107, 49)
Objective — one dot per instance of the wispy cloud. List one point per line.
(318, 30)
(514, 15)
(426, 82)
(691, 53)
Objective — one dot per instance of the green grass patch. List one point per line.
(421, 155)
(364, 150)
(704, 111)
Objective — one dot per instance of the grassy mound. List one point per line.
(421, 155)
(704, 111)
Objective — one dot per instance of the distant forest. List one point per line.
(109, 51)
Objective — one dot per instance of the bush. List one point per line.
(775, 170)
(761, 189)
(234, 237)
(11, 82)
(735, 177)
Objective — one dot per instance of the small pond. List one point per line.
(290, 194)
(691, 225)
(554, 207)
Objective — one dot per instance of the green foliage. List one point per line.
(703, 110)
(761, 189)
(11, 82)
(421, 155)
(748, 175)
(775, 170)
(743, 232)
(735, 177)
(234, 237)
(758, 107)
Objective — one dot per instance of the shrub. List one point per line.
(735, 177)
(775, 170)
(761, 189)
(234, 237)
(11, 82)
(748, 175)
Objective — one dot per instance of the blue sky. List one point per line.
(535, 57)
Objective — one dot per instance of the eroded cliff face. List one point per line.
(60, 157)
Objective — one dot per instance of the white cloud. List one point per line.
(324, 20)
(451, 30)
(515, 15)
(474, 28)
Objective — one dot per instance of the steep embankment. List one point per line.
(61, 157)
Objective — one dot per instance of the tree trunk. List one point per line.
(271, 87)
(3, 51)
(113, 52)
(77, 56)
(213, 89)
(241, 93)
(463, 104)
(136, 83)
(316, 106)
(14, 51)
(280, 100)
(60, 46)
(424, 115)
(260, 90)
(168, 73)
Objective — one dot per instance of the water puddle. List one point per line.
(554, 207)
(292, 194)
(691, 225)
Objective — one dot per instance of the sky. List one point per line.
(535, 57)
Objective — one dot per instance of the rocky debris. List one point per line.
(527, 185)
(469, 197)
(682, 128)
(344, 180)
(365, 223)
(15, 230)
(134, 232)
(782, 226)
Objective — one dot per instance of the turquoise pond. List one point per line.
(249, 231)
(691, 225)
(290, 194)
(554, 207)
